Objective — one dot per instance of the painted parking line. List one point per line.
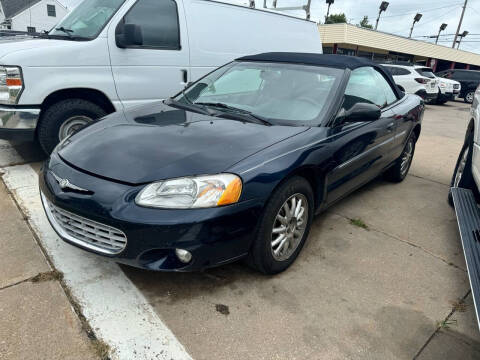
(119, 314)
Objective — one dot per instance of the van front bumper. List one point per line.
(17, 122)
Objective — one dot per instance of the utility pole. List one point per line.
(459, 24)
(329, 2)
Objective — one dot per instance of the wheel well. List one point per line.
(95, 96)
(315, 181)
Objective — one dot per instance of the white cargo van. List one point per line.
(110, 55)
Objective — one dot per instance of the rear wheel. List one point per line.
(399, 170)
(65, 118)
(462, 176)
(283, 228)
(469, 97)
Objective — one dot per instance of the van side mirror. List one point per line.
(362, 112)
(128, 35)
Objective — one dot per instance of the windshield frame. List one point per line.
(82, 38)
(321, 119)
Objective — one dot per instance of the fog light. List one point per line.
(183, 255)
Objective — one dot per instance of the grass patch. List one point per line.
(445, 324)
(47, 276)
(359, 222)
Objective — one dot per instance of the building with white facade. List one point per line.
(30, 15)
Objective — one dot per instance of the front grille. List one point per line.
(84, 232)
(456, 86)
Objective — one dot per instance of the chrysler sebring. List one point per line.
(234, 166)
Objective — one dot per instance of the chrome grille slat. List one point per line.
(85, 232)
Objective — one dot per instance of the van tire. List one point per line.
(56, 114)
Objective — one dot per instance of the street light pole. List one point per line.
(383, 7)
(415, 20)
(462, 35)
(329, 2)
(442, 27)
(459, 24)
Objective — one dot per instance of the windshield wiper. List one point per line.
(188, 105)
(66, 31)
(245, 114)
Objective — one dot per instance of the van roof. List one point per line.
(338, 61)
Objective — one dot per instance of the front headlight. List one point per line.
(11, 84)
(192, 192)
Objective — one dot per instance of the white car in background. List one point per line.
(413, 81)
(447, 88)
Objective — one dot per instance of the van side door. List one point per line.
(157, 66)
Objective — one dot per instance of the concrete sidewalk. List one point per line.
(37, 319)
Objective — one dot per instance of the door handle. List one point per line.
(184, 77)
(391, 126)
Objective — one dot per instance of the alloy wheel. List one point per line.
(469, 97)
(289, 227)
(406, 157)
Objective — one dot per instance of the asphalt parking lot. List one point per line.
(390, 285)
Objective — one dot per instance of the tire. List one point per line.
(398, 172)
(73, 112)
(462, 176)
(263, 253)
(469, 97)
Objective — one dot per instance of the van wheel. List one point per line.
(399, 170)
(462, 176)
(469, 97)
(283, 227)
(65, 118)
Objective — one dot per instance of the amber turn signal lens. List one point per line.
(231, 193)
(14, 82)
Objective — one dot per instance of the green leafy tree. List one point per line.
(336, 19)
(365, 24)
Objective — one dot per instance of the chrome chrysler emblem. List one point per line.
(66, 184)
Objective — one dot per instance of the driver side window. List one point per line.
(364, 87)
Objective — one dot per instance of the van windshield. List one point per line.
(87, 19)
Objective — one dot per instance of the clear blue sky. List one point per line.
(398, 17)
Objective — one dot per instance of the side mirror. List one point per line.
(362, 112)
(129, 35)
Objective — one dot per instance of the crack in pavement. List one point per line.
(427, 179)
(406, 242)
(439, 327)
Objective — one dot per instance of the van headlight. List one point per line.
(11, 84)
(192, 192)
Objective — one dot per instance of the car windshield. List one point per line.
(427, 72)
(87, 19)
(289, 94)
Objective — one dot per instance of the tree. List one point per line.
(365, 24)
(336, 18)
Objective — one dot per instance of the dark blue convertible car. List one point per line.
(235, 166)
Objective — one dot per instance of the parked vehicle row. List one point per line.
(234, 166)
(469, 80)
(110, 55)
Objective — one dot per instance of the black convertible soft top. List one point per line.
(328, 60)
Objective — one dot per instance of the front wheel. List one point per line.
(65, 118)
(283, 228)
(399, 170)
(469, 97)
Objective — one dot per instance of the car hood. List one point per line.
(158, 142)
(12, 45)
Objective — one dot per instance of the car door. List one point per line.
(158, 68)
(364, 149)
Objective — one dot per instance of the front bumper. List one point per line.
(18, 122)
(447, 96)
(213, 236)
